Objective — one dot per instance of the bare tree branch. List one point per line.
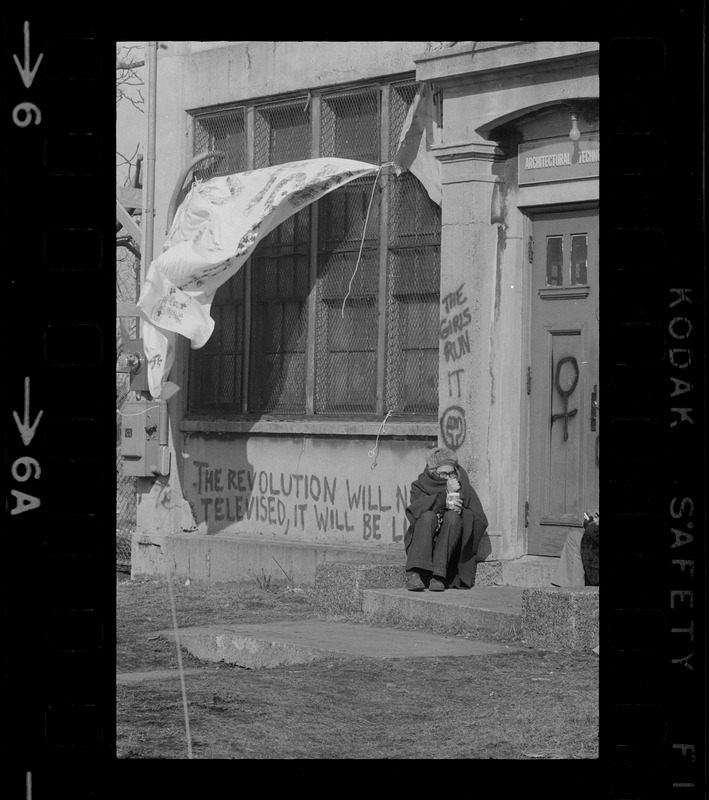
(127, 77)
(128, 160)
(129, 65)
(129, 85)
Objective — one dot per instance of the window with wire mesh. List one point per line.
(413, 287)
(215, 374)
(222, 131)
(346, 338)
(281, 272)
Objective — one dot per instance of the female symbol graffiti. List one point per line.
(565, 393)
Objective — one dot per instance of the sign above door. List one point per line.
(559, 159)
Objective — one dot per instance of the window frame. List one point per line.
(241, 418)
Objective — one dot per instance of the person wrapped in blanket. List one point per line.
(578, 564)
(446, 524)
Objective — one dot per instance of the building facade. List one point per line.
(301, 424)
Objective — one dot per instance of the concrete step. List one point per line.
(277, 644)
(487, 612)
(223, 557)
(529, 571)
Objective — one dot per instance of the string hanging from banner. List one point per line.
(364, 232)
(137, 413)
(374, 452)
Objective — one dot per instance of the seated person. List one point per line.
(578, 564)
(444, 532)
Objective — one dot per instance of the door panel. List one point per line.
(563, 472)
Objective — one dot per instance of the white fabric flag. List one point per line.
(420, 131)
(215, 230)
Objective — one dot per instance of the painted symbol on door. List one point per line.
(571, 379)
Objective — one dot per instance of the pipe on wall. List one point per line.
(149, 213)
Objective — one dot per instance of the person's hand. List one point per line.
(453, 485)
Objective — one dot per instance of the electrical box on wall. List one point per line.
(140, 443)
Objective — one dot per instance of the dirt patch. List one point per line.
(143, 608)
(524, 705)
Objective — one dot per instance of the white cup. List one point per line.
(451, 497)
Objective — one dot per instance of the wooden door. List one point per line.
(563, 466)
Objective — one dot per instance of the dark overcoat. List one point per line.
(589, 552)
(429, 494)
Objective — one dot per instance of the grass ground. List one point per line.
(524, 705)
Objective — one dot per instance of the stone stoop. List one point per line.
(379, 592)
(541, 616)
(529, 571)
(561, 618)
(490, 613)
(339, 587)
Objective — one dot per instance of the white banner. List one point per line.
(420, 131)
(215, 230)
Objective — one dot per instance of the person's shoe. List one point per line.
(436, 585)
(414, 582)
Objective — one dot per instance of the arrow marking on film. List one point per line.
(27, 431)
(26, 73)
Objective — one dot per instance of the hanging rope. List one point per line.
(364, 231)
(179, 660)
(374, 452)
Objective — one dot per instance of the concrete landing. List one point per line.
(487, 611)
(529, 571)
(223, 557)
(268, 645)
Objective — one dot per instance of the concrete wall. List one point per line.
(240, 505)
(319, 490)
(248, 70)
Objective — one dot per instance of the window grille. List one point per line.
(281, 272)
(280, 318)
(225, 131)
(413, 267)
(216, 369)
(282, 133)
(346, 348)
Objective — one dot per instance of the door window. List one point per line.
(555, 260)
(579, 259)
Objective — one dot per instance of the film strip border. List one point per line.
(59, 284)
(653, 481)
